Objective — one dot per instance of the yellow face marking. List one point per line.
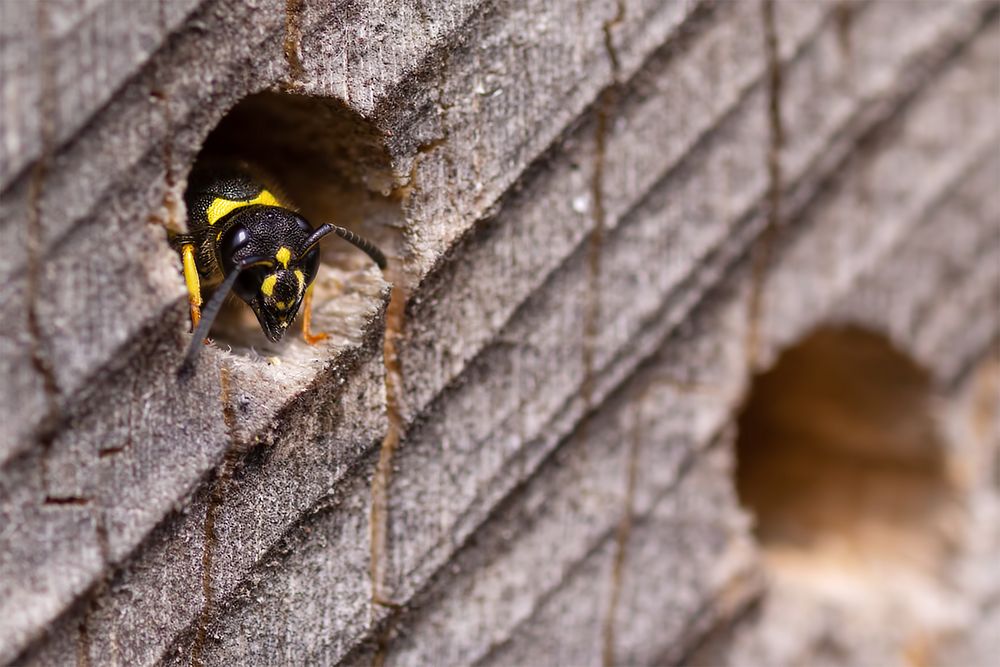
(301, 277)
(281, 305)
(284, 255)
(267, 287)
(220, 207)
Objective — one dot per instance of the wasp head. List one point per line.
(274, 289)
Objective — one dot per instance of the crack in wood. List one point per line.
(609, 43)
(395, 322)
(381, 480)
(176, 219)
(844, 12)
(623, 532)
(595, 243)
(67, 500)
(216, 496)
(97, 592)
(207, 562)
(83, 643)
(106, 452)
(592, 321)
(39, 354)
(763, 248)
(292, 45)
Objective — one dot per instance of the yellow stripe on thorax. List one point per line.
(220, 207)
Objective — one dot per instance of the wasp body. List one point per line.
(242, 237)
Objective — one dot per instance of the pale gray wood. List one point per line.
(574, 199)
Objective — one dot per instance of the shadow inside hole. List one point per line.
(331, 165)
(839, 460)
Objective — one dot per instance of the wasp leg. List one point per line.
(193, 284)
(307, 334)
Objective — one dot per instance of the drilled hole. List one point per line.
(331, 165)
(839, 460)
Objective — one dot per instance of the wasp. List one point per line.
(244, 238)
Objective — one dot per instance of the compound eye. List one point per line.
(235, 239)
(247, 286)
(310, 265)
(303, 225)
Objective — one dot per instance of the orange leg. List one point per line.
(307, 334)
(193, 284)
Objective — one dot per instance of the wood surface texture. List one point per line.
(603, 219)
